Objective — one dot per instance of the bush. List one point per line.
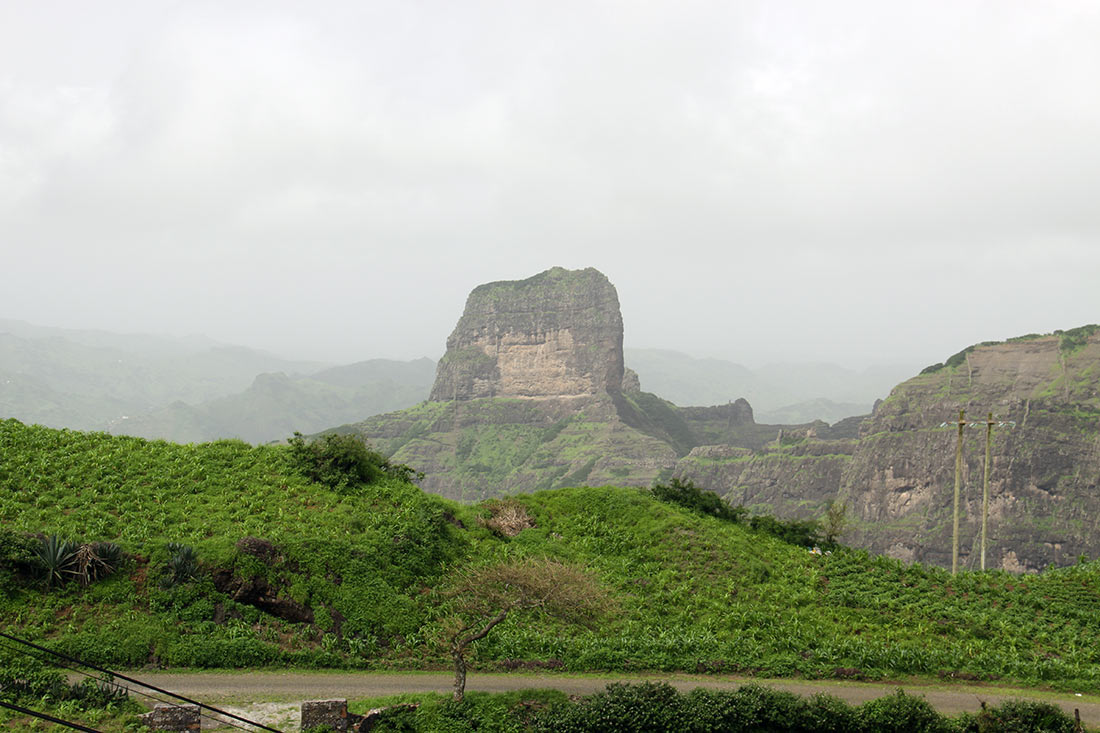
(752, 707)
(621, 708)
(18, 559)
(801, 532)
(182, 566)
(25, 678)
(901, 713)
(344, 461)
(689, 496)
(1020, 716)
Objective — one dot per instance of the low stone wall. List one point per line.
(173, 717)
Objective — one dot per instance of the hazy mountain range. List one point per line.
(193, 388)
(778, 393)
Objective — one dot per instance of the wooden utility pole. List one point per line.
(989, 422)
(958, 486)
(985, 481)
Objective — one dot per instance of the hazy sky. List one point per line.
(859, 182)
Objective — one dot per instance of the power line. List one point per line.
(50, 718)
(89, 665)
(135, 691)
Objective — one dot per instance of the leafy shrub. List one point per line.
(1020, 716)
(802, 532)
(956, 359)
(690, 496)
(18, 559)
(622, 708)
(901, 713)
(751, 707)
(344, 461)
(199, 651)
(1075, 338)
(827, 714)
(126, 645)
(26, 678)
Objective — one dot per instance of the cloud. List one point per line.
(816, 170)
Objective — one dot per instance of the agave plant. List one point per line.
(57, 558)
(183, 564)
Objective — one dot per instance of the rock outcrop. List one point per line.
(557, 334)
(898, 476)
(533, 394)
(530, 396)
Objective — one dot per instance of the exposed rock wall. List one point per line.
(530, 396)
(1044, 504)
(557, 334)
(898, 477)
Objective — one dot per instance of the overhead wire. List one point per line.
(133, 690)
(45, 716)
(138, 682)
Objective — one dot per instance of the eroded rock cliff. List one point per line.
(898, 477)
(555, 335)
(530, 396)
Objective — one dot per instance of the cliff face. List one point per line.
(557, 334)
(1044, 472)
(898, 477)
(530, 396)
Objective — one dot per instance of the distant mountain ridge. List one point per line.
(62, 381)
(189, 389)
(276, 405)
(779, 393)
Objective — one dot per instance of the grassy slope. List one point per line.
(695, 594)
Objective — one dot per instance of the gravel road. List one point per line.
(245, 690)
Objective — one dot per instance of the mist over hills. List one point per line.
(778, 393)
(86, 379)
(276, 405)
(194, 388)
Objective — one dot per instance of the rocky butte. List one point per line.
(558, 334)
(529, 395)
(533, 394)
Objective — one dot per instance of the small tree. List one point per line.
(835, 521)
(483, 597)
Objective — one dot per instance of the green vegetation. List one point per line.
(270, 568)
(482, 597)
(1068, 341)
(27, 682)
(343, 461)
(690, 496)
(1075, 338)
(659, 707)
(801, 532)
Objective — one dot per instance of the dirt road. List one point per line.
(242, 688)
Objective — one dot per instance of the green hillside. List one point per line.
(292, 572)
